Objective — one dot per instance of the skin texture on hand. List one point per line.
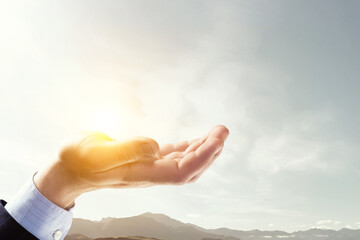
(98, 161)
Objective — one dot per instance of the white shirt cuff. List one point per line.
(38, 215)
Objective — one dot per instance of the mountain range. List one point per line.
(150, 226)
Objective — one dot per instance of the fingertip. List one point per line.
(224, 129)
(219, 131)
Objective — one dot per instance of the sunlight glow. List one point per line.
(106, 120)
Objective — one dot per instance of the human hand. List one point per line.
(98, 161)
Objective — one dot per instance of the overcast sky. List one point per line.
(283, 76)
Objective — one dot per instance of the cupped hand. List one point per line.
(98, 161)
(176, 164)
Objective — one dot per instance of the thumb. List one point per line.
(111, 154)
(137, 149)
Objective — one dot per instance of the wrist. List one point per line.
(58, 185)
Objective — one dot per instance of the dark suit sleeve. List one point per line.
(10, 229)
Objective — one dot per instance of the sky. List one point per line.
(283, 76)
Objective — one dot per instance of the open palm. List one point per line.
(175, 164)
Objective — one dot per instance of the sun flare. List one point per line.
(106, 120)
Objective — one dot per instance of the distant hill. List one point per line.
(159, 226)
(82, 237)
(142, 225)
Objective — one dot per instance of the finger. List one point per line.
(219, 132)
(199, 174)
(175, 155)
(177, 147)
(195, 145)
(193, 162)
(106, 155)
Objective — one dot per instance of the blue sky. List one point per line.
(282, 75)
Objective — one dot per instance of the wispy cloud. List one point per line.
(328, 222)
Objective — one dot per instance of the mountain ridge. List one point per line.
(160, 226)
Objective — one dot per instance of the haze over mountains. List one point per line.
(150, 226)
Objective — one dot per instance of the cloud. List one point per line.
(329, 222)
(273, 154)
(357, 224)
(320, 227)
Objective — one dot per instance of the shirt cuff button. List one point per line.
(57, 235)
